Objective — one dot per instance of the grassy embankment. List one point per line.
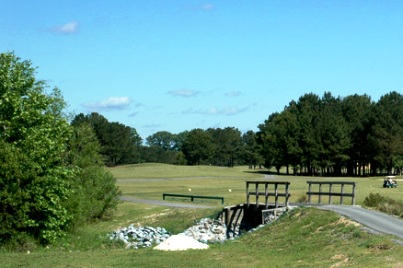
(305, 238)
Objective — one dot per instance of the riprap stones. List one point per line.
(140, 237)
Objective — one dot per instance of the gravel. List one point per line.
(140, 237)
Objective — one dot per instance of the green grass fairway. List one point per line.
(149, 181)
(306, 237)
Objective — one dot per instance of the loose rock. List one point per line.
(140, 237)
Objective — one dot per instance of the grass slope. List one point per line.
(306, 237)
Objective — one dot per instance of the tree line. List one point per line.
(335, 136)
(215, 146)
(328, 135)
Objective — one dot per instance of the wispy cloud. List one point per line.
(233, 94)
(183, 93)
(112, 103)
(133, 114)
(207, 7)
(68, 28)
(230, 110)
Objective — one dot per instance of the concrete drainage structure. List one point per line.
(253, 213)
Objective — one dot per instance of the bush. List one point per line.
(374, 200)
(384, 204)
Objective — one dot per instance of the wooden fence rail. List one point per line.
(330, 191)
(266, 193)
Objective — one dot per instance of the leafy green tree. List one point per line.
(197, 147)
(251, 150)
(308, 117)
(52, 177)
(120, 144)
(387, 133)
(226, 145)
(34, 174)
(357, 113)
(267, 139)
(95, 190)
(156, 154)
(179, 140)
(333, 135)
(163, 139)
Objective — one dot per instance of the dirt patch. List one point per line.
(344, 259)
(154, 217)
(347, 222)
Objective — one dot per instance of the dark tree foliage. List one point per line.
(387, 134)
(120, 144)
(357, 113)
(95, 190)
(336, 136)
(226, 145)
(198, 147)
(163, 139)
(250, 151)
(156, 154)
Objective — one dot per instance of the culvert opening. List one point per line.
(244, 217)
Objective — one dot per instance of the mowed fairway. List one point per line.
(306, 237)
(150, 181)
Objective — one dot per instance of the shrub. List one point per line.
(384, 204)
(374, 200)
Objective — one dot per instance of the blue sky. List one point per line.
(159, 65)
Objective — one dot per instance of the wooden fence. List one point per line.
(329, 191)
(271, 189)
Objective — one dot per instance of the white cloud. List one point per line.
(68, 28)
(230, 110)
(183, 92)
(112, 103)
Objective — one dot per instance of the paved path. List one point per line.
(374, 221)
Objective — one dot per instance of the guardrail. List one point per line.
(256, 192)
(329, 191)
(192, 197)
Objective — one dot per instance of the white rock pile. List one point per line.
(180, 242)
(140, 237)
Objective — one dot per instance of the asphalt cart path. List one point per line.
(375, 221)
